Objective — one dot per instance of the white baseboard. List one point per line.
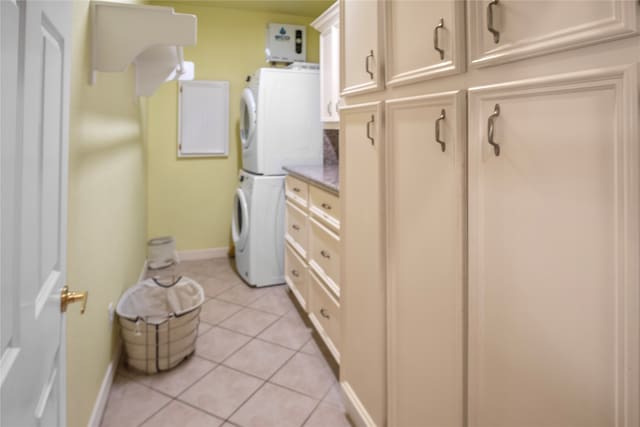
(105, 388)
(355, 409)
(198, 254)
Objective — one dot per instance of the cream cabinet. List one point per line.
(361, 46)
(426, 210)
(312, 256)
(436, 28)
(553, 251)
(362, 297)
(328, 24)
(507, 30)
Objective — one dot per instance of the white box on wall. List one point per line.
(286, 43)
(203, 118)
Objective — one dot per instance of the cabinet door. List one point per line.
(361, 56)
(426, 221)
(335, 69)
(505, 30)
(425, 40)
(327, 90)
(362, 292)
(553, 252)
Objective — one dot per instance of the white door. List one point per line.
(36, 41)
(426, 221)
(439, 25)
(553, 252)
(362, 268)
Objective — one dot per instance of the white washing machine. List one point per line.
(280, 120)
(258, 228)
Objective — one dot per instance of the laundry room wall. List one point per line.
(106, 240)
(191, 199)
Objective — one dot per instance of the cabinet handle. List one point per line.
(325, 313)
(296, 190)
(329, 108)
(296, 227)
(492, 30)
(366, 64)
(490, 126)
(436, 41)
(369, 137)
(326, 206)
(325, 254)
(295, 273)
(337, 106)
(443, 115)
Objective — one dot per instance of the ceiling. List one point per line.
(311, 8)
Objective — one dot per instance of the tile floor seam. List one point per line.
(197, 381)
(280, 345)
(259, 332)
(154, 413)
(177, 399)
(311, 413)
(261, 386)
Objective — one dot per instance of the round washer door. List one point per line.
(240, 220)
(248, 117)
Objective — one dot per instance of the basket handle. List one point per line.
(155, 280)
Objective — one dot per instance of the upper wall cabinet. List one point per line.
(361, 44)
(425, 40)
(506, 30)
(329, 26)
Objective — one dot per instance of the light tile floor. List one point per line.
(256, 364)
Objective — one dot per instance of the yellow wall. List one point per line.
(107, 212)
(191, 199)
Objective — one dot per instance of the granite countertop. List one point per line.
(326, 177)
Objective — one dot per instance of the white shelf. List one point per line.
(149, 36)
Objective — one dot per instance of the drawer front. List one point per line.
(297, 190)
(324, 255)
(324, 312)
(297, 234)
(326, 207)
(296, 275)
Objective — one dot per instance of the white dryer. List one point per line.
(258, 229)
(280, 120)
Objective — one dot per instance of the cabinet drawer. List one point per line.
(324, 312)
(325, 206)
(296, 275)
(296, 190)
(324, 255)
(297, 234)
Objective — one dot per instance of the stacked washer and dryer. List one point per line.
(279, 125)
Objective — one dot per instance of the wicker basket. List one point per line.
(159, 323)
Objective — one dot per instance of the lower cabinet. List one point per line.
(312, 257)
(362, 296)
(426, 213)
(553, 298)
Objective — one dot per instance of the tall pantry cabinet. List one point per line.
(502, 193)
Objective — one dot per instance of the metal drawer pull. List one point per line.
(329, 108)
(436, 41)
(296, 227)
(296, 190)
(325, 313)
(366, 64)
(325, 254)
(326, 206)
(443, 115)
(369, 123)
(490, 125)
(490, 27)
(295, 273)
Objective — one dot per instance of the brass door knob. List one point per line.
(67, 297)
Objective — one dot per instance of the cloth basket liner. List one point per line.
(159, 322)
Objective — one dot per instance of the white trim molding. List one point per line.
(198, 254)
(355, 409)
(105, 388)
